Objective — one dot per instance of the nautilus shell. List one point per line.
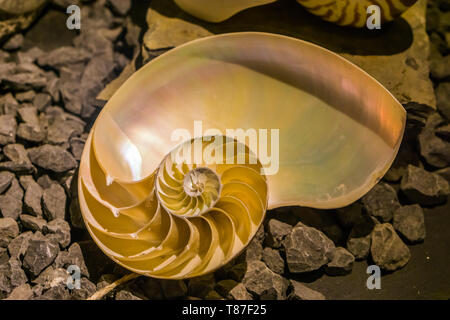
(186, 157)
(342, 12)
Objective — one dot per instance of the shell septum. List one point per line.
(188, 218)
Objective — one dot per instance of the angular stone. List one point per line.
(33, 198)
(8, 127)
(359, 246)
(22, 292)
(61, 131)
(173, 288)
(26, 96)
(11, 276)
(31, 133)
(73, 256)
(52, 158)
(76, 147)
(87, 289)
(5, 180)
(302, 292)
(61, 229)
(14, 43)
(18, 159)
(381, 202)
(10, 207)
(18, 246)
(445, 173)
(59, 292)
(29, 56)
(151, 288)
(63, 56)
(424, 187)
(41, 101)
(120, 7)
(307, 249)
(200, 286)
(443, 99)
(24, 81)
(435, 150)
(15, 190)
(252, 252)
(410, 223)
(213, 295)
(33, 223)
(8, 230)
(54, 202)
(341, 264)
(387, 249)
(276, 231)
(126, 295)
(4, 256)
(41, 252)
(273, 260)
(51, 277)
(232, 290)
(263, 282)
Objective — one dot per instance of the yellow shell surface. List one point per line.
(338, 132)
(342, 12)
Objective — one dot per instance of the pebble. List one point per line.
(409, 222)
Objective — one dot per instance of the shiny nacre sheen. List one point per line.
(342, 12)
(338, 132)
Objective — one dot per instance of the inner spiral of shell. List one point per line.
(190, 217)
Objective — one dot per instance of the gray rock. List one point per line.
(87, 289)
(11, 277)
(276, 232)
(424, 187)
(341, 264)
(8, 127)
(200, 286)
(440, 68)
(18, 246)
(301, 292)
(10, 207)
(18, 159)
(252, 252)
(31, 133)
(273, 260)
(15, 190)
(51, 277)
(63, 56)
(22, 292)
(445, 173)
(76, 147)
(237, 271)
(42, 100)
(29, 56)
(60, 131)
(173, 288)
(381, 202)
(52, 88)
(41, 252)
(232, 290)
(356, 219)
(9, 228)
(263, 282)
(307, 249)
(8, 104)
(5, 180)
(151, 288)
(126, 295)
(120, 7)
(26, 96)
(14, 43)
(61, 229)
(435, 150)
(359, 246)
(33, 223)
(213, 295)
(443, 99)
(54, 202)
(24, 81)
(74, 256)
(387, 249)
(4, 256)
(410, 223)
(59, 292)
(52, 158)
(33, 198)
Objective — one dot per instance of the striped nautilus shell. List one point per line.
(165, 198)
(342, 12)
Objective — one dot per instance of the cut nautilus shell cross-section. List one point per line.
(186, 157)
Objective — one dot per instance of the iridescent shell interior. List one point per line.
(339, 131)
